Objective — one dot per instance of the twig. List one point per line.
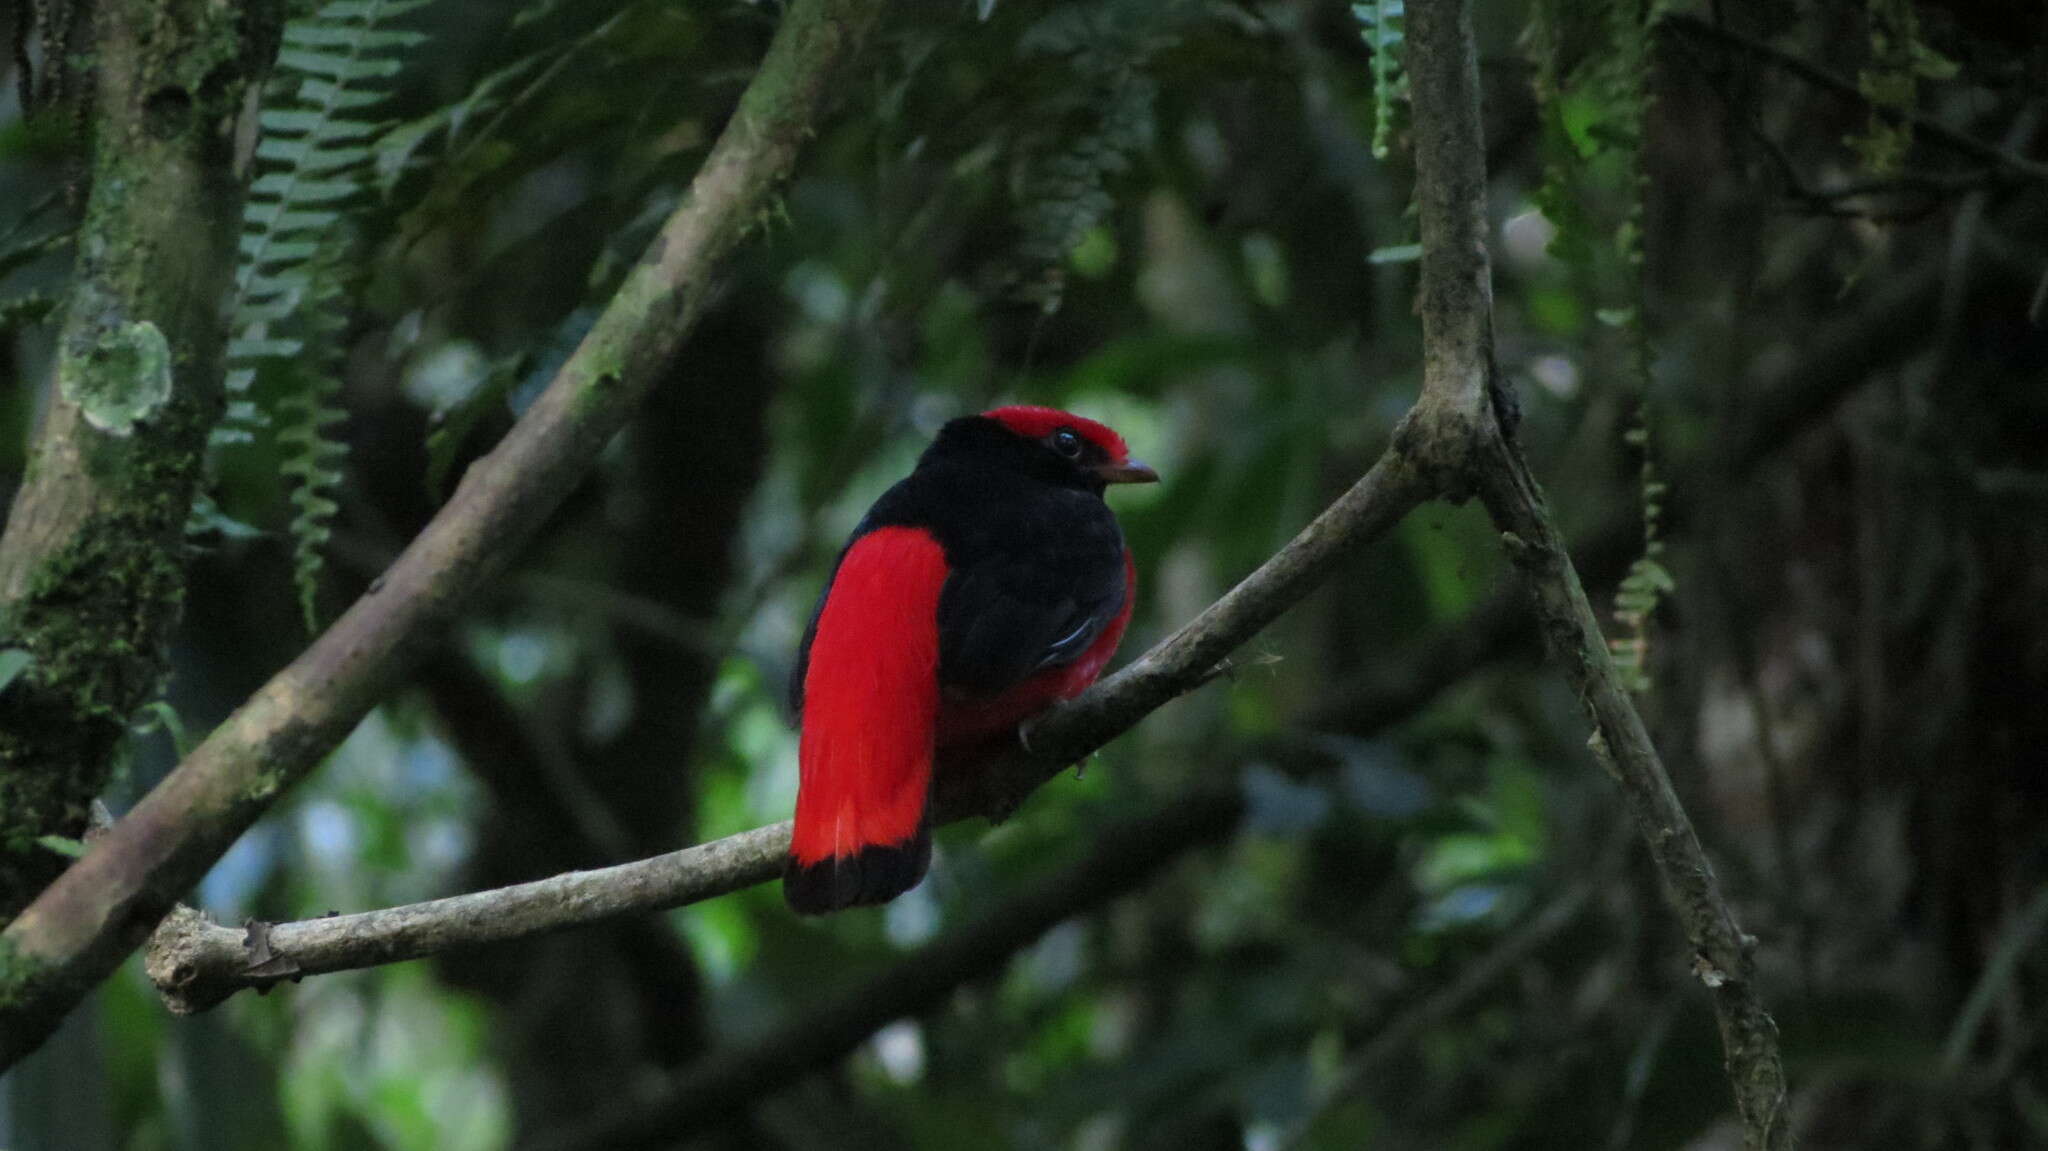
(1819, 77)
(1642, 1063)
(196, 963)
(1402, 1031)
(78, 929)
(2004, 964)
(1721, 952)
(532, 780)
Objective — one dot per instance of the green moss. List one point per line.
(95, 621)
(599, 393)
(18, 974)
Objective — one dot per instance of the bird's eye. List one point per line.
(1067, 442)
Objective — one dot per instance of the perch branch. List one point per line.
(196, 963)
(780, 1059)
(79, 928)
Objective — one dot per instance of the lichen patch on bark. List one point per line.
(123, 379)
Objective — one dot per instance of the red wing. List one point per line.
(870, 705)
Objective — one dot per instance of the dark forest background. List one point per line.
(1794, 258)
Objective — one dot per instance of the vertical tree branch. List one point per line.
(1457, 324)
(79, 929)
(1440, 433)
(91, 567)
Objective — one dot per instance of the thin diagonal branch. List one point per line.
(1403, 1030)
(79, 929)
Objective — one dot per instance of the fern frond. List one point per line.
(313, 462)
(1594, 115)
(290, 299)
(1064, 193)
(1384, 26)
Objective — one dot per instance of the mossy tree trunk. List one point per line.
(91, 570)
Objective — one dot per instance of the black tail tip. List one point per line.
(872, 875)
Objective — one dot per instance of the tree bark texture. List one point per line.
(91, 563)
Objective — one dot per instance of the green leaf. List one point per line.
(317, 157)
(1383, 26)
(207, 518)
(1655, 574)
(159, 714)
(1931, 64)
(62, 845)
(453, 425)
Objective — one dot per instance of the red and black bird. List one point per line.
(987, 584)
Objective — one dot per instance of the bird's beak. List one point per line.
(1127, 472)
